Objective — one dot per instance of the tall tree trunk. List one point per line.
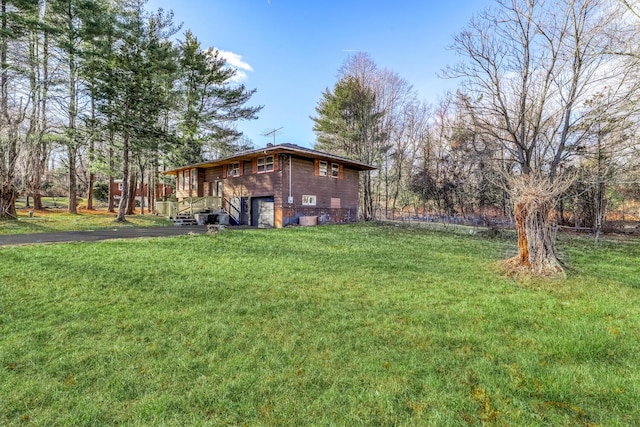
(111, 207)
(72, 149)
(8, 159)
(92, 147)
(600, 203)
(92, 178)
(398, 177)
(39, 90)
(131, 201)
(534, 199)
(367, 197)
(535, 246)
(142, 192)
(153, 187)
(8, 148)
(73, 180)
(41, 167)
(124, 197)
(151, 208)
(8, 196)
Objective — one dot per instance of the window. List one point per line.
(335, 170)
(119, 186)
(179, 181)
(233, 169)
(322, 170)
(194, 180)
(265, 164)
(185, 180)
(308, 200)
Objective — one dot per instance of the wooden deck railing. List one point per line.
(190, 205)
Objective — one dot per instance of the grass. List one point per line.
(51, 202)
(52, 220)
(347, 325)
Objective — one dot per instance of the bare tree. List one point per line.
(532, 66)
(38, 147)
(397, 99)
(364, 117)
(349, 121)
(15, 21)
(410, 133)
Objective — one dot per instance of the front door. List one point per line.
(215, 188)
(244, 211)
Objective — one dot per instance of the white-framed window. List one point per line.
(120, 186)
(322, 168)
(335, 170)
(194, 179)
(308, 200)
(185, 180)
(179, 183)
(233, 169)
(265, 164)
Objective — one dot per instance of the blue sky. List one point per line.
(291, 50)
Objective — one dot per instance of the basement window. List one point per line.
(308, 200)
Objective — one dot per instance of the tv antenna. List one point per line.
(273, 132)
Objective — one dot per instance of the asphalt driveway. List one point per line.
(95, 235)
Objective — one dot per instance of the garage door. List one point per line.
(262, 212)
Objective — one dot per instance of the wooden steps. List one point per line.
(184, 220)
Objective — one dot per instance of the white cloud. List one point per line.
(235, 61)
(240, 76)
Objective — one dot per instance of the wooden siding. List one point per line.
(255, 185)
(247, 167)
(213, 174)
(201, 187)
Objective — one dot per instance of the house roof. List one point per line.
(285, 148)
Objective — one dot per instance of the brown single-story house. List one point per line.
(273, 186)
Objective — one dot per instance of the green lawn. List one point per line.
(334, 325)
(57, 220)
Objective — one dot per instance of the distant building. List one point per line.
(162, 191)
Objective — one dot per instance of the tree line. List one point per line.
(544, 119)
(102, 85)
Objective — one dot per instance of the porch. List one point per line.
(188, 206)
